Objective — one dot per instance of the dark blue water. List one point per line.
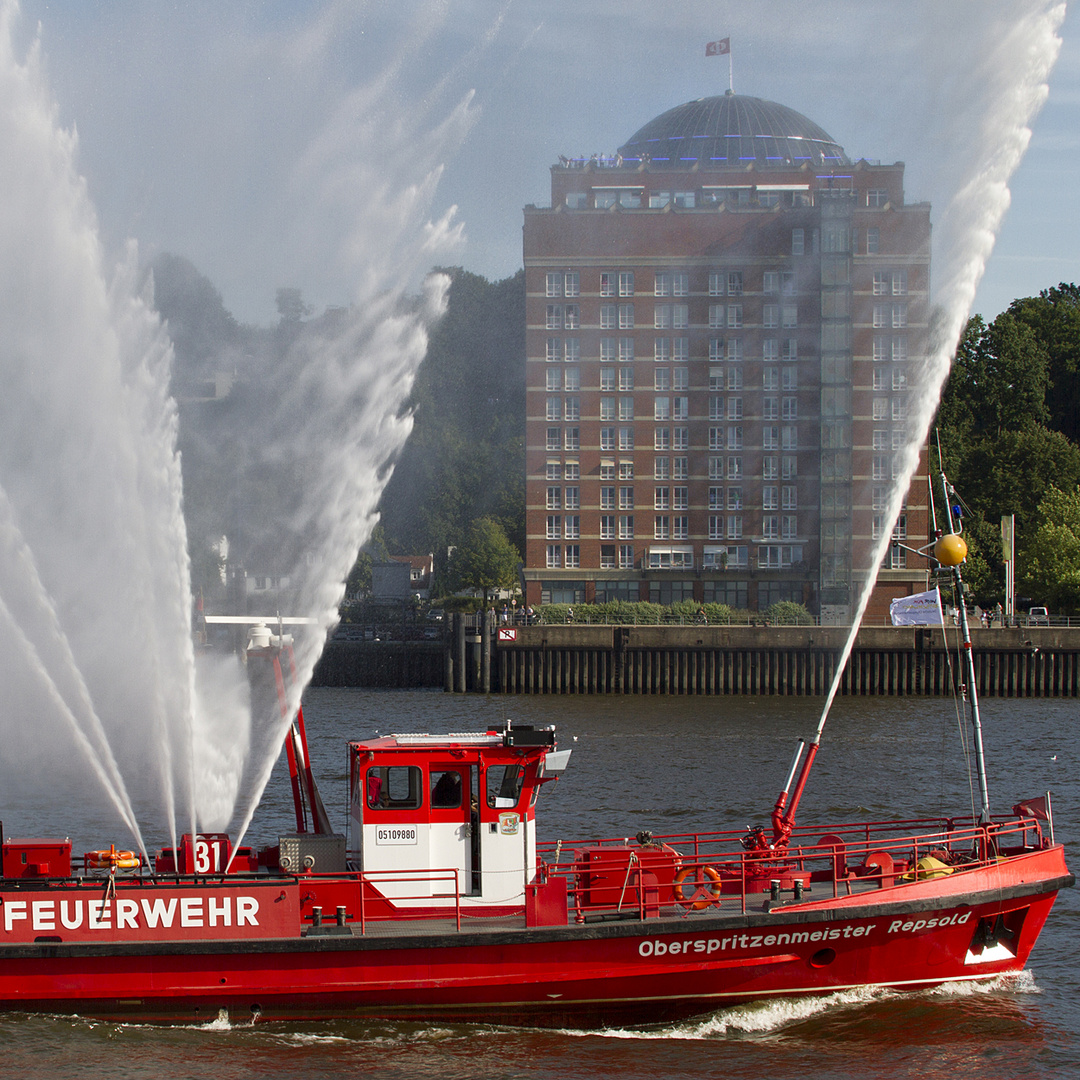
(666, 765)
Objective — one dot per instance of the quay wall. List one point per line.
(577, 659)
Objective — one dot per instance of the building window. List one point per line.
(770, 498)
(735, 378)
(680, 283)
(716, 526)
(626, 283)
(734, 526)
(554, 350)
(572, 438)
(607, 498)
(770, 527)
(608, 315)
(680, 468)
(626, 556)
(626, 438)
(680, 527)
(554, 438)
(626, 470)
(626, 526)
(716, 408)
(661, 378)
(770, 349)
(789, 438)
(662, 317)
(607, 438)
(554, 498)
(899, 316)
(554, 317)
(716, 468)
(554, 284)
(572, 317)
(735, 283)
(881, 349)
(572, 408)
(789, 497)
(770, 316)
(680, 438)
(877, 197)
(899, 349)
(680, 350)
(607, 556)
(716, 438)
(626, 498)
(798, 241)
(662, 438)
(770, 406)
(789, 316)
(770, 467)
(662, 350)
(662, 498)
(881, 283)
(680, 498)
(662, 284)
(716, 316)
(717, 280)
(554, 408)
(734, 316)
(789, 468)
(790, 410)
(626, 408)
(554, 469)
(790, 349)
(572, 526)
(626, 316)
(607, 349)
(552, 379)
(873, 241)
(789, 527)
(573, 556)
(680, 316)
(607, 526)
(681, 408)
(554, 527)
(661, 468)
(734, 437)
(607, 283)
(734, 468)
(662, 527)
(770, 437)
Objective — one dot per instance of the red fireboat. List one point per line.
(441, 902)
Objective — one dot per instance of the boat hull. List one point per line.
(973, 925)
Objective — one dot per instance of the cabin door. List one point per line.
(451, 786)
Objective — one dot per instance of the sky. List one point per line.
(251, 138)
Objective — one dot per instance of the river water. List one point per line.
(666, 764)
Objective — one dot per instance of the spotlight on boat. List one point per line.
(950, 549)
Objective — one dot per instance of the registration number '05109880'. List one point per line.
(395, 834)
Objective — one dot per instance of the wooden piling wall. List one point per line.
(885, 661)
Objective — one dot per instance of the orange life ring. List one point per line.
(112, 859)
(708, 889)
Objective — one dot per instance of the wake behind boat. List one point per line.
(440, 901)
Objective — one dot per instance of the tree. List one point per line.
(485, 559)
(1051, 566)
(1054, 318)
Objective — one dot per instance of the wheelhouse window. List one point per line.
(446, 788)
(504, 785)
(394, 787)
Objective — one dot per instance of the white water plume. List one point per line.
(94, 569)
(987, 132)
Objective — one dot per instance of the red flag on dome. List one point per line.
(718, 48)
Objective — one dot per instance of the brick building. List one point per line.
(721, 320)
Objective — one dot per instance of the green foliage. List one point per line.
(625, 613)
(485, 560)
(1051, 569)
(788, 613)
(1008, 419)
(465, 457)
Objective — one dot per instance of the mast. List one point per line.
(950, 550)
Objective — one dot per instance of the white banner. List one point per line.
(922, 609)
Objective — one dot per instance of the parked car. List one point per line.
(1038, 616)
(436, 614)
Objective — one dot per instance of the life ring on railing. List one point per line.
(111, 859)
(707, 890)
